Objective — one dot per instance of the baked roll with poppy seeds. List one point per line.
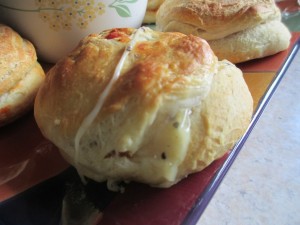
(141, 105)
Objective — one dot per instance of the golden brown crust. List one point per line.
(20, 75)
(155, 116)
(17, 55)
(145, 69)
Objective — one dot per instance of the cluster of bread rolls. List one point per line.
(143, 105)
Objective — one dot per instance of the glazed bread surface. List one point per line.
(172, 111)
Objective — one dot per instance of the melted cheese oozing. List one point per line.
(88, 120)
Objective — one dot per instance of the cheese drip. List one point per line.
(88, 120)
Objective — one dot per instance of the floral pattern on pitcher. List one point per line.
(62, 14)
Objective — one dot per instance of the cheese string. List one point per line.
(89, 119)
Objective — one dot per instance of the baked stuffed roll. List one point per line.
(145, 106)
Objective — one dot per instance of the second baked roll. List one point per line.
(236, 30)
